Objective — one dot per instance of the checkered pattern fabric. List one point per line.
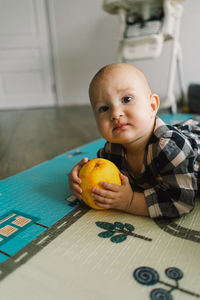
(170, 176)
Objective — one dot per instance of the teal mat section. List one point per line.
(175, 118)
(35, 199)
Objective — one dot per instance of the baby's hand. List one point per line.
(113, 195)
(74, 180)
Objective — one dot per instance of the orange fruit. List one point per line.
(92, 173)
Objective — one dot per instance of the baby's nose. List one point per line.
(116, 113)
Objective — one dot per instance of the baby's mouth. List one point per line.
(119, 126)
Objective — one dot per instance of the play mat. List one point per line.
(54, 247)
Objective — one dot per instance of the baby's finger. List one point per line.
(75, 171)
(73, 176)
(83, 161)
(110, 186)
(102, 200)
(79, 165)
(76, 187)
(102, 205)
(100, 194)
(124, 179)
(79, 196)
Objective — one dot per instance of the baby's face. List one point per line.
(123, 105)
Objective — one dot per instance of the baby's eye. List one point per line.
(103, 108)
(126, 99)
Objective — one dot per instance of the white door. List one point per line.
(26, 73)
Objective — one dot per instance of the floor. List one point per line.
(29, 137)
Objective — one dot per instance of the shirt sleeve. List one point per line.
(175, 183)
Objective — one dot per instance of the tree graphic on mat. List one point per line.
(118, 232)
(149, 276)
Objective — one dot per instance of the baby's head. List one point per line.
(111, 71)
(120, 94)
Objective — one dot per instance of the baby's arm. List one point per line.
(74, 180)
(120, 197)
(174, 191)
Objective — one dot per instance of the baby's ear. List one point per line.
(155, 102)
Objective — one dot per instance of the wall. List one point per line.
(86, 38)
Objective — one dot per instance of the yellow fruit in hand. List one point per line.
(92, 173)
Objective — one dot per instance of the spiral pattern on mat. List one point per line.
(146, 275)
(160, 294)
(174, 273)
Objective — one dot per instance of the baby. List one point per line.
(159, 163)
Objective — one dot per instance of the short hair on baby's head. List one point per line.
(104, 71)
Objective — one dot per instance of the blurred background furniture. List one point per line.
(144, 27)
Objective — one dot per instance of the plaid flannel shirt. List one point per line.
(170, 176)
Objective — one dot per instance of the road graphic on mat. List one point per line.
(22, 256)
